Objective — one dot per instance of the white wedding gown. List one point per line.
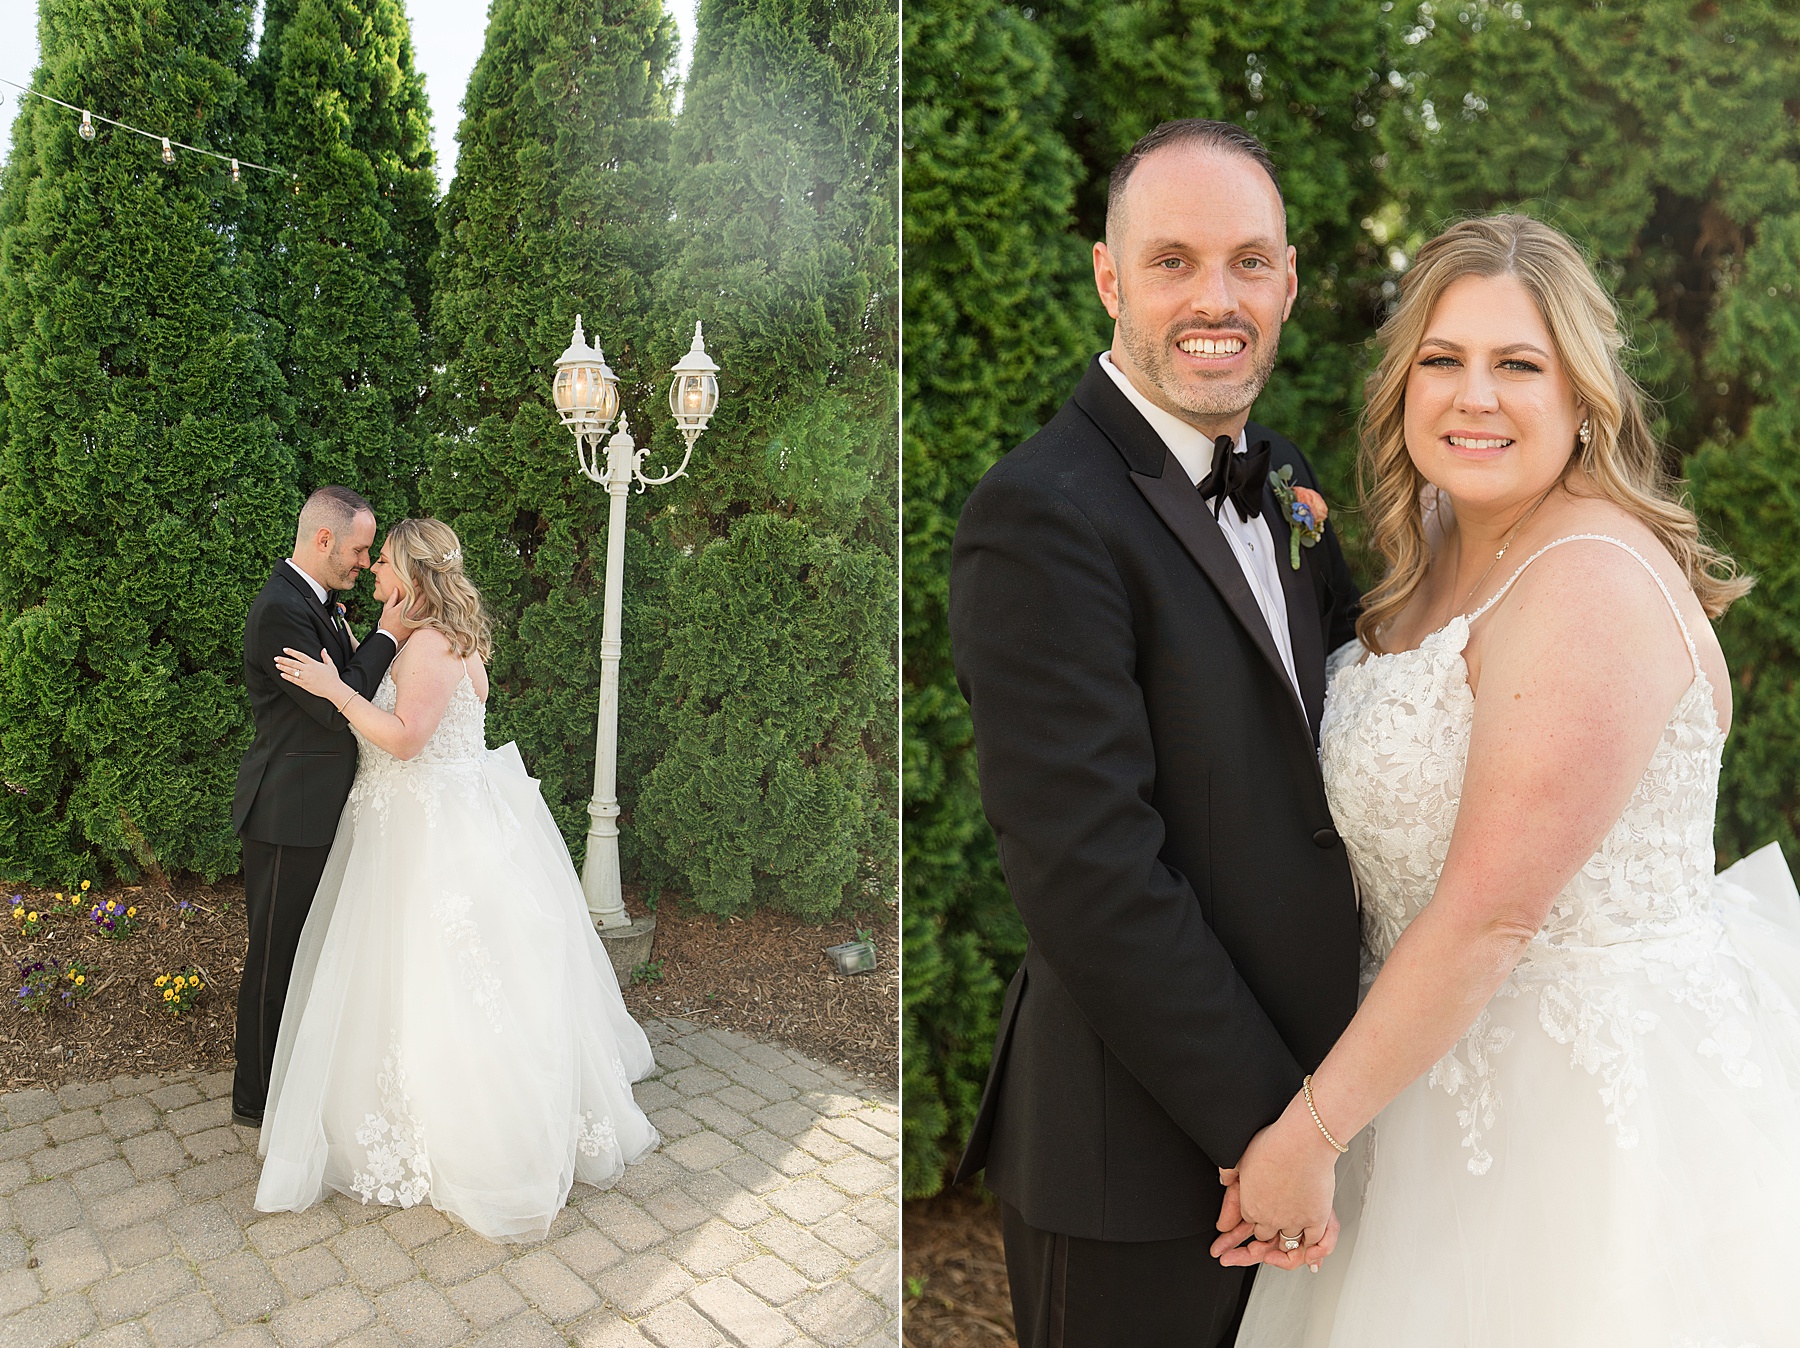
(1611, 1155)
(453, 1032)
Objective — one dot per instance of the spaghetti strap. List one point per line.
(1686, 635)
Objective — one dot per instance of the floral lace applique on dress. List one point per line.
(399, 1166)
(1394, 745)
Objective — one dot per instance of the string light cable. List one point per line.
(88, 118)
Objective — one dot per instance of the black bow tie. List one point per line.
(1237, 476)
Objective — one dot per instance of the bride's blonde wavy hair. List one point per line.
(427, 558)
(1620, 462)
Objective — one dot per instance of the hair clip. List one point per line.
(451, 556)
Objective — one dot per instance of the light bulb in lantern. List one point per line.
(585, 390)
(168, 152)
(235, 177)
(694, 394)
(87, 125)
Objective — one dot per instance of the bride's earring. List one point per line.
(1585, 434)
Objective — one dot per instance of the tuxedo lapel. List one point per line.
(334, 639)
(1159, 476)
(1304, 635)
(1182, 508)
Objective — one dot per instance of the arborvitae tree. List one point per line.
(997, 332)
(344, 265)
(141, 481)
(775, 703)
(558, 207)
(1663, 138)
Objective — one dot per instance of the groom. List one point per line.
(296, 775)
(1145, 671)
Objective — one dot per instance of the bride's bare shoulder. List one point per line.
(427, 657)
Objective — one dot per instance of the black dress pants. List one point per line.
(278, 892)
(1069, 1292)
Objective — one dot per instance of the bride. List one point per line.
(1579, 1051)
(454, 1032)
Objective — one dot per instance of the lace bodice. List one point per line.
(1395, 742)
(460, 737)
(1394, 745)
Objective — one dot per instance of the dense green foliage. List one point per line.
(342, 263)
(776, 701)
(1661, 136)
(557, 208)
(141, 480)
(995, 334)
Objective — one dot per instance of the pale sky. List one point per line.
(447, 36)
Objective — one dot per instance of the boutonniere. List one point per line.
(1303, 509)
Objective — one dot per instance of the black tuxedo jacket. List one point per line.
(1153, 784)
(296, 775)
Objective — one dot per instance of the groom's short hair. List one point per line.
(1228, 137)
(333, 508)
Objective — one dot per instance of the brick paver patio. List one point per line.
(768, 1218)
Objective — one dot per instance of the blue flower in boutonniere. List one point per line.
(1303, 509)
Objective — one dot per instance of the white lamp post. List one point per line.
(587, 399)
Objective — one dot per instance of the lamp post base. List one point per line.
(628, 946)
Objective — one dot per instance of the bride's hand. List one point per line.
(318, 677)
(1283, 1183)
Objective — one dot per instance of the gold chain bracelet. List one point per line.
(1306, 1090)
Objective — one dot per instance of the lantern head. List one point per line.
(586, 391)
(694, 394)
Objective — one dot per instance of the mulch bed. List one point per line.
(764, 975)
(955, 1266)
(122, 1028)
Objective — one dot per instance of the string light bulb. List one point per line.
(168, 153)
(87, 125)
(235, 176)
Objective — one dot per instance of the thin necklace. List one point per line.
(1511, 534)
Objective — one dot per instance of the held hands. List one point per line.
(318, 677)
(1282, 1187)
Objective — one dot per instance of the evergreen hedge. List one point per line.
(775, 703)
(1663, 138)
(342, 263)
(996, 331)
(142, 484)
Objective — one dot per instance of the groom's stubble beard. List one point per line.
(1207, 399)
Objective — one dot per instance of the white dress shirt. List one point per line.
(1250, 540)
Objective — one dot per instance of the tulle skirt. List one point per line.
(453, 1032)
(1612, 1157)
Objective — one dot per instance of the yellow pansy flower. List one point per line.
(169, 994)
(59, 898)
(32, 918)
(162, 980)
(84, 885)
(18, 912)
(111, 907)
(131, 912)
(80, 979)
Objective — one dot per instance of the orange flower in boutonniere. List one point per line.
(1303, 509)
